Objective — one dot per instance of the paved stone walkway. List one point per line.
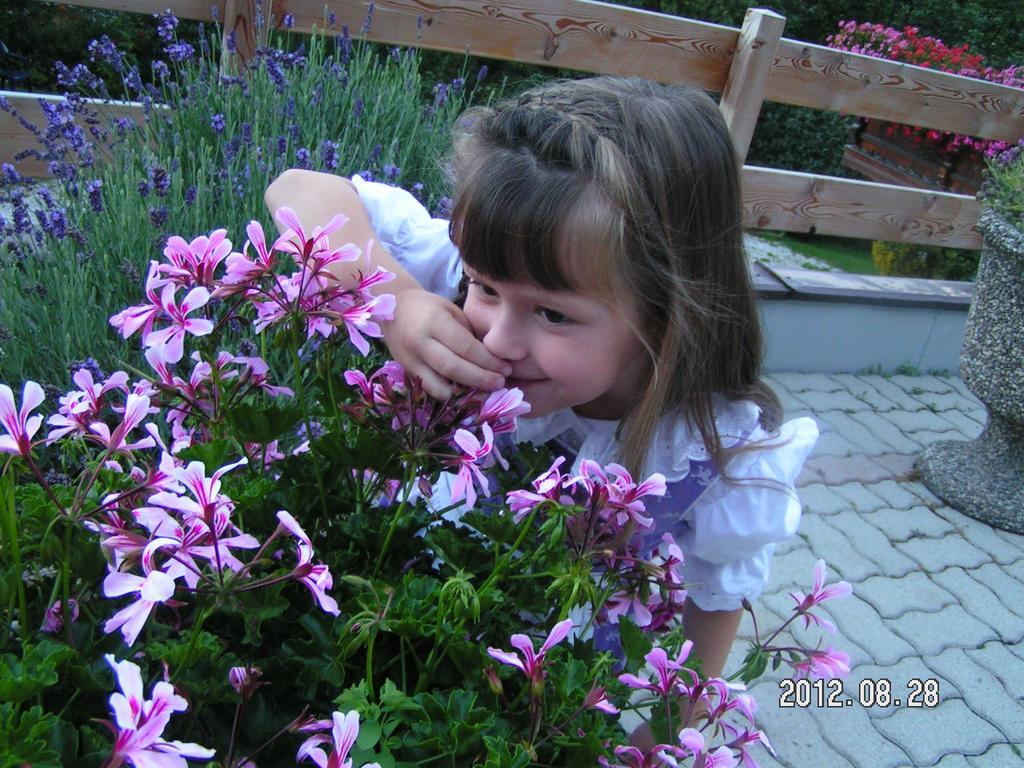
(937, 596)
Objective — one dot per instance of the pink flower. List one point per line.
(361, 319)
(667, 671)
(172, 338)
(254, 373)
(240, 270)
(528, 662)
(135, 410)
(623, 603)
(54, 619)
(156, 587)
(207, 503)
(317, 578)
(295, 240)
(473, 452)
(194, 263)
(80, 408)
(597, 698)
(828, 663)
(344, 730)
(141, 723)
(548, 487)
(501, 408)
(819, 594)
(20, 427)
(129, 320)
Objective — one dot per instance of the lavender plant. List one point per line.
(202, 151)
(285, 569)
(1003, 188)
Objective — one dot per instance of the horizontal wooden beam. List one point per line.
(825, 78)
(805, 202)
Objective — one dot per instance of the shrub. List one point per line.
(73, 250)
(911, 260)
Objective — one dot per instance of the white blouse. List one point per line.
(730, 533)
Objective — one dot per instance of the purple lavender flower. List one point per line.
(105, 50)
(165, 25)
(144, 189)
(133, 80)
(481, 73)
(232, 42)
(302, 158)
(332, 19)
(417, 190)
(317, 96)
(329, 154)
(158, 216)
(122, 125)
(375, 153)
(457, 83)
(368, 21)
(288, 21)
(178, 52)
(160, 179)
(276, 74)
(161, 70)
(444, 208)
(90, 365)
(357, 108)
(246, 134)
(440, 95)
(217, 123)
(215, 13)
(10, 174)
(94, 188)
(344, 42)
(54, 223)
(190, 195)
(395, 54)
(282, 145)
(391, 171)
(231, 148)
(22, 223)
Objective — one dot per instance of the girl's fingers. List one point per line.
(435, 386)
(461, 342)
(448, 366)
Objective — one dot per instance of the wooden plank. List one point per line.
(15, 137)
(197, 10)
(239, 20)
(805, 202)
(824, 78)
(574, 34)
(748, 75)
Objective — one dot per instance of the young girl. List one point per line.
(597, 223)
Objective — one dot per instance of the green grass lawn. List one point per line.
(848, 254)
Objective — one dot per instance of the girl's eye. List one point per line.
(552, 317)
(486, 290)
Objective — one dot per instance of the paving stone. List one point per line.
(832, 443)
(833, 545)
(981, 691)
(937, 554)
(914, 422)
(893, 597)
(897, 676)
(1014, 539)
(960, 386)
(1003, 664)
(792, 406)
(929, 734)
(1009, 590)
(953, 760)
(807, 382)
(849, 732)
(949, 401)
(968, 428)
(913, 385)
(928, 437)
(822, 500)
(886, 431)
(982, 603)
(922, 492)
(982, 536)
(808, 476)
(904, 524)
(793, 733)
(999, 756)
(788, 545)
(836, 470)
(897, 496)
(794, 569)
(855, 432)
(871, 543)
(862, 624)
(860, 496)
(930, 633)
(842, 400)
(892, 393)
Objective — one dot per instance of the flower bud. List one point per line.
(245, 680)
(493, 681)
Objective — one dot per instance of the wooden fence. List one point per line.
(746, 66)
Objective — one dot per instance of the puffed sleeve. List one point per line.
(730, 533)
(418, 242)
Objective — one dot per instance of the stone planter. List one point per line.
(985, 478)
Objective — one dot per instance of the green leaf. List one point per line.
(499, 756)
(265, 423)
(23, 678)
(634, 642)
(23, 738)
(213, 455)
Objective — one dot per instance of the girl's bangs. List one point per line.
(514, 221)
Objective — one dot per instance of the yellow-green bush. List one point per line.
(910, 260)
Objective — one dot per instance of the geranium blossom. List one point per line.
(819, 594)
(155, 587)
(172, 338)
(473, 451)
(129, 320)
(666, 671)
(17, 423)
(194, 263)
(317, 578)
(828, 663)
(528, 661)
(140, 723)
(344, 731)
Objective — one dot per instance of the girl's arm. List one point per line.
(429, 335)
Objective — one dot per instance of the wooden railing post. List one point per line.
(239, 30)
(748, 76)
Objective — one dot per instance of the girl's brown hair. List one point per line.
(629, 189)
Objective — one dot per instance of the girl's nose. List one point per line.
(504, 338)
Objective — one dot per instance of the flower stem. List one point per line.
(300, 388)
(11, 545)
(410, 476)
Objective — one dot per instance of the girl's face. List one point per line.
(567, 349)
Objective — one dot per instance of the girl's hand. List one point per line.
(431, 338)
